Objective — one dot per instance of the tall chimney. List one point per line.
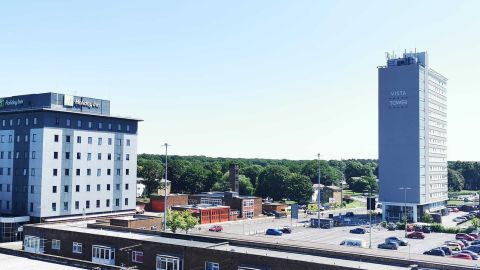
(233, 177)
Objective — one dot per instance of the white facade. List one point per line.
(83, 172)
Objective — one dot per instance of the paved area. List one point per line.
(19, 263)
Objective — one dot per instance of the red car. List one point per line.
(464, 256)
(455, 210)
(216, 228)
(464, 236)
(416, 235)
(474, 235)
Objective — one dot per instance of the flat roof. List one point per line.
(21, 263)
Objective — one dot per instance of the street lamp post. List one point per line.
(405, 206)
(369, 202)
(319, 193)
(165, 189)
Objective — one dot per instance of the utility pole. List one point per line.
(405, 206)
(319, 193)
(165, 189)
(369, 202)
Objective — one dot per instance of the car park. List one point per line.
(358, 231)
(435, 252)
(446, 250)
(416, 235)
(471, 253)
(475, 242)
(464, 236)
(460, 242)
(464, 242)
(397, 240)
(461, 256)
(216, 228)
(391, 245)
(286, 230)
(453, 246)
(459, 219)
(391, 226)
(273, 232)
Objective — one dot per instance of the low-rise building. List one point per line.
(206, 213)
(329, 194)
(247, 206)
(274, 206)
(157, 202)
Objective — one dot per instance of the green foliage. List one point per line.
(456, 182)
(245, 185)
(476, 223)
(183, 220)
(151, 171)
(427, 218)
(363, 184)
(252, 172)
(298, 188)
(328, 175)
(470, 172)
(271, 182)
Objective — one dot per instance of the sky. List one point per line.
(250, 79)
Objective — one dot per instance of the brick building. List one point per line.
(274, 206)
(206, 213)
(157, 202)
(247, 206)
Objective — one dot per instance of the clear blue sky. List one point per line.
(272, 79)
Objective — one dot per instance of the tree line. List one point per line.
(277, 179)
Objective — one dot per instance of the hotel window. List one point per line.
(67, 138)
(35, 120)
(137, 256)
(65, 188)
(79, 139)
(211, 266)
(77, 188)
(67, 155)
(8, 187)
(54, 207)
(168, 263)
(127, 171)
(107, 203)
(34, 155)
(18, 121)
(99, 156)
(34, 137)
(55, 138)
(26, 138)
(54, 189)
(55, 172)
(108, 186)
(11, 122)
(127, 157)
(89, 172)
(32, 172)
(126, 186)
(26, 121)
(67, 172)
(32, 189)
(77, 205)
(119, 127)
(100, 125)
(109, 171)
(79, 123)
(109, 141)
(65, 206)
(110, 126)
(118, 172)
(18, 138)
(68, 122)
(119, 142)
(119, 156)
(126, 201)
(109, 156)
(99, 141)
(117, 186)
(87, 204)
(89, 124)
(77, 247)
(98, 187)
(99, 172)
(117, 202)
(79, 155)
(55, 244)
(78, 172)
(98, 203)
(128, 142)
(88, 188)
(90, 140)
(89, 156)
(128, 128)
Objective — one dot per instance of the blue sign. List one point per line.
(294, 211)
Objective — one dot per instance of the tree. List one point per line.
(189, 221)
(252, 172)
(476, 223)
(357, 169)
(151, 171)
(175, 220)
(271, 182)
(364, 183)
(298, 188)
(328, 175)
(192, 180)
(427, 218)
(245, 186)
(456, 181)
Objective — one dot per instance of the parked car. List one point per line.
(391, 245)
(268, 214)
(273, 232)
(410, 228)
(391, 226)
(475, 242)
(358, 231)
(464, 236)
(462, 245)
(435, 252)
(475, 249)
(354, 243)
(461, 256)
(446, 250)
(459, 219)
(286, 229)
(474, 235)
(416, 235)
(427, 229)
(396, 240)
(216, 228)
(453, 246)
(349, 214)
(455, 210)
(471, 253)
(280, 214)
(464, 242)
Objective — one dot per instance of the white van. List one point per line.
(354, 243)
